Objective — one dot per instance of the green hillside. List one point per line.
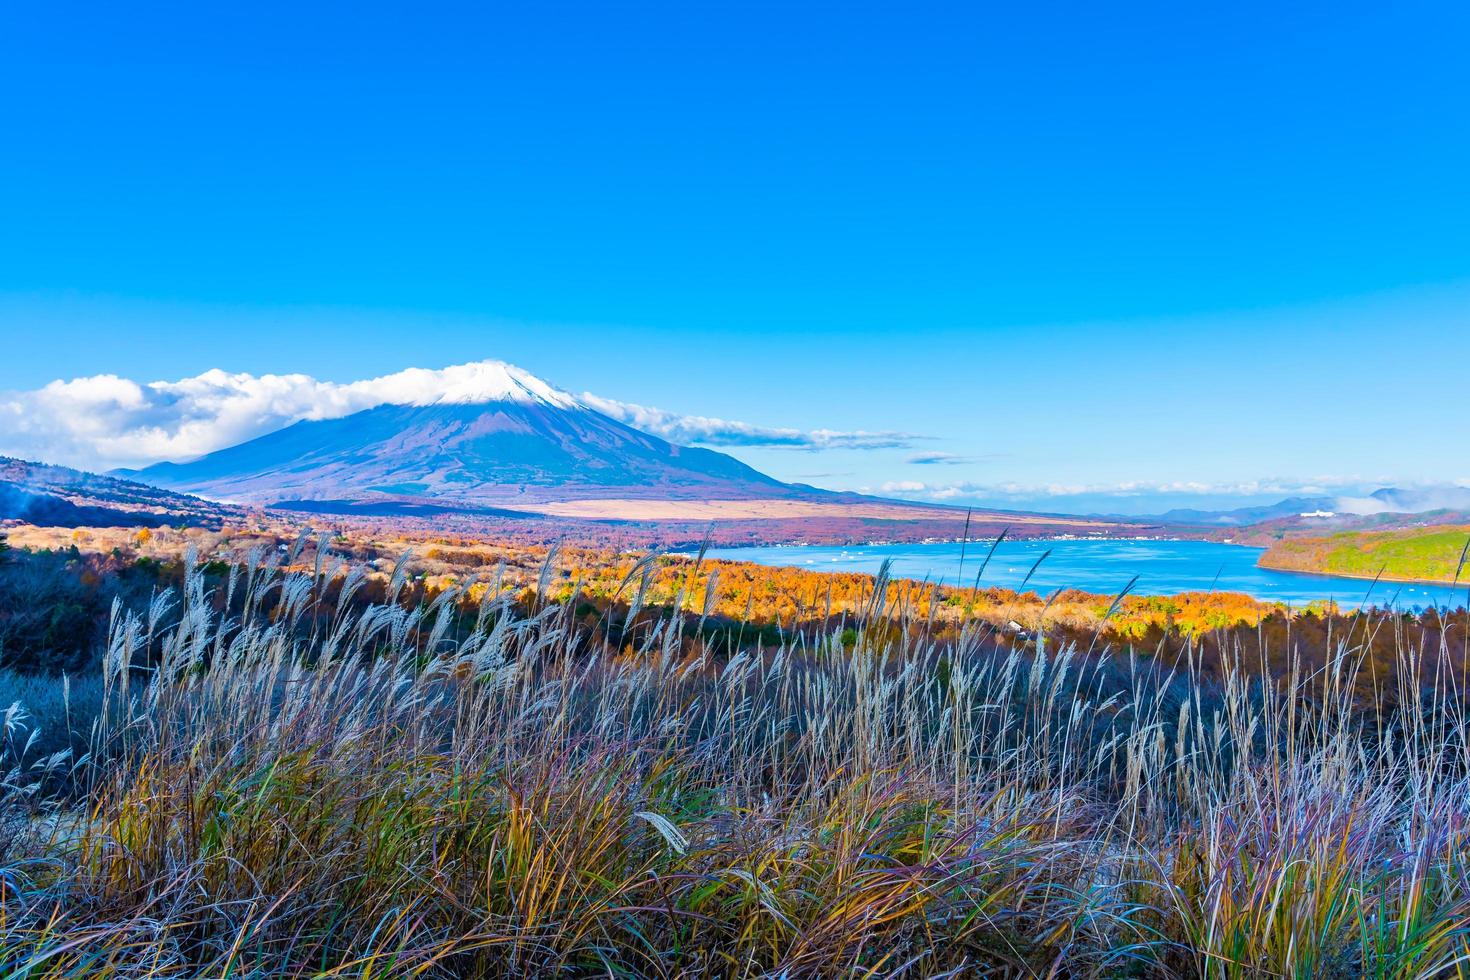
(1419, 554)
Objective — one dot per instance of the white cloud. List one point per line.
(938, 459)
(722, 432)
(105, 421)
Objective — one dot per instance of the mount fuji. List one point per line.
(507, 439)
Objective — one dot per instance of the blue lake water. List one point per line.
(1105, 567)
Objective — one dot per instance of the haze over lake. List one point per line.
(1105, 567)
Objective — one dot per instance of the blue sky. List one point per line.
(1073, 248)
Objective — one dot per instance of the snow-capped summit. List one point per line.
(478, 382)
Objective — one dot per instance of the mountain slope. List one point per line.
(58, 496)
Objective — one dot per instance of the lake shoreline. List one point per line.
(1260, 562)
(1103, 566)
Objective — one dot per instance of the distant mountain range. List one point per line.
(1344, 510)
(1241, 516)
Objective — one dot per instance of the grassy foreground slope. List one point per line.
(1414, 555)
(285, 781)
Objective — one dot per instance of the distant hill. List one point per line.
(57, 496)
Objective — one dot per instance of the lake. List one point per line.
(1104, 567)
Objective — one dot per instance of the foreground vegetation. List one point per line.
(58, 588)
(1431, 554)
(279, 777)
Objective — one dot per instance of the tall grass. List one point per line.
(280, 786)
